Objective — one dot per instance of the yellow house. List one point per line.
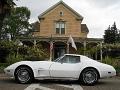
(55, 26)
(61, 20)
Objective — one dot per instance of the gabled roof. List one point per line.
(84, 28)
(68, 7)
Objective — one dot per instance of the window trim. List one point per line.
(60, 27)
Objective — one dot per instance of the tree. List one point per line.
(5, 8)
(111, 34)
(17, 24)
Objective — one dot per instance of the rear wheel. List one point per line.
(89, 76)
(23, 75)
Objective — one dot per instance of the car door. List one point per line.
(67, 67)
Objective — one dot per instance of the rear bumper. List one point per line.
(9, 72)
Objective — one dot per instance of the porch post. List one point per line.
(84, 47)
(101, 57)
(68, 48)
(51, 50)
(34, 43)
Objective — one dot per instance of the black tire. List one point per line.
(24, 75)
(89, 76)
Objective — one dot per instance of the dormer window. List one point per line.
(61, 14)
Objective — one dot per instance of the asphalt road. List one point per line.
(103, 84)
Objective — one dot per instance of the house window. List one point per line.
(61, 14)
(60, 28)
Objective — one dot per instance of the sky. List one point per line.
(98, 14)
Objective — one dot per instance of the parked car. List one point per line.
(67, 67)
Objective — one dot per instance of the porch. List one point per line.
(60, 45)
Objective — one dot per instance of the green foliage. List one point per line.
(91, 50)
(112, 46)
(13, 58)
(36, 53)
(111, 50)
(112, 35)
(5, 48)
(6, 44)
(2, 66)
(17, 23)
(10, 52)
(80, 51)
(115, 62)
(9, 4)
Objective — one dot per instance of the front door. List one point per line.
(59, 50)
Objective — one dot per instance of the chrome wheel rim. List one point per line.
(90, 77)
(23, 75)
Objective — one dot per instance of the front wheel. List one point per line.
(89, 76)
(24, 75)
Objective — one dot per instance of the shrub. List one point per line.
(13, 58)
(36, 53)
(2, 66)
(11, 52)
(111, 50)
(115, 62)
(6, 47)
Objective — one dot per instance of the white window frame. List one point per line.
(60, 23)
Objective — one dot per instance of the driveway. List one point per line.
(7, 83)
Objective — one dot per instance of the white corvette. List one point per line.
(67, 67)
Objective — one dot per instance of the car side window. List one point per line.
(70, 59)
(74, 59)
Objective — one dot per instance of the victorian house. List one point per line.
(55, 26)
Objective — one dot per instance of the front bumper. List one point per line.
(108, 73)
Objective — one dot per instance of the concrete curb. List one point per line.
(3, 76)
